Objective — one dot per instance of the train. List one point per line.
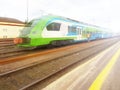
(57, 30)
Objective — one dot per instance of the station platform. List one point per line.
(98, 73)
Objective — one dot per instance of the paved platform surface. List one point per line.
(102, 72)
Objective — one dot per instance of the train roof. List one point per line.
(10, 20)
(72, 20)
(54, 17)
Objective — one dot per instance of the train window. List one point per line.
(54, 27)
(72, 30)
(32, 23)
(35, 22)
(25, 31)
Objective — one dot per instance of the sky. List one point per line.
(104, 13)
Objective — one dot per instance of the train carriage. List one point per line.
(55, 30)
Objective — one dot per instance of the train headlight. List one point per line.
(18, 40)
(21, 40)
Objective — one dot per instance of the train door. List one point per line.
(79, 33)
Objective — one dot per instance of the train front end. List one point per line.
(24, 39)
(31, 35)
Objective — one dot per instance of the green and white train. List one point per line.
(57, 30)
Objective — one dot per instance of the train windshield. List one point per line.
(35, 22)
(32, 23)
(25, 31)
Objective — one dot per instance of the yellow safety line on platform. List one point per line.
(96, 85)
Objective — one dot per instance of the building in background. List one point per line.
(10, 28)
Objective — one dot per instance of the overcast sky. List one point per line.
(103, 13)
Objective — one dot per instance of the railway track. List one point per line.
(10, 55)
(6, 42)
(8, 49)
(11, 51)
(28, 76)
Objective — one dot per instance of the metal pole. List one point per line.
(27, 6)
